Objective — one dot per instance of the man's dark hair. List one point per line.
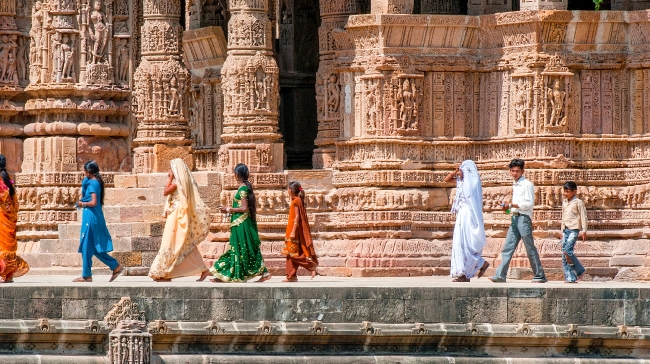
(516, 163)
(571, 186)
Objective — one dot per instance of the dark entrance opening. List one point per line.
(298, 22)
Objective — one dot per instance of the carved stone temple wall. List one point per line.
(398, 100)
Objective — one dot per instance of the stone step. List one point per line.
(117, 230)
(134, 196)
(140, 213)
(73, 259)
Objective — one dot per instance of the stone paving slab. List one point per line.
(334, 299)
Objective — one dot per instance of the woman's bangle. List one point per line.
(228, 209)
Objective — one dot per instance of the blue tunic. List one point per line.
(93, 225)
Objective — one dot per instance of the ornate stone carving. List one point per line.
(125, 311)
(130, 343)
(251, 88)
(161, 87)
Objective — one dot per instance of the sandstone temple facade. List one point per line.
(369, 103)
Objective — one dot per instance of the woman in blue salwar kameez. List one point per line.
(95, 238)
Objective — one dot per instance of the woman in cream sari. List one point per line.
(188, 221)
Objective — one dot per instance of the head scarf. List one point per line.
(192, 219)
(472, 192)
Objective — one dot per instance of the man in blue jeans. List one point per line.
(574, 226)
(521, 225)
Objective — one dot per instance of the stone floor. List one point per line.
(319, 281)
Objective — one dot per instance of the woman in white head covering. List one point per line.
(469, 232)
(188, 223)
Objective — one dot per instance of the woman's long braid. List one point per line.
(5, 176)
(251, 201)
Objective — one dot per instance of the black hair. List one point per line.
(571, 186)
(93, 169)
(516, 163)
(297, 190)
(5, 176)
(241, 171)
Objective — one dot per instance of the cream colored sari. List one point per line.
(188, 223)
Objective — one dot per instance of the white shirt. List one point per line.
(523, 195)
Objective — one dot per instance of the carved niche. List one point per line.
(556, 91)
(521, 87)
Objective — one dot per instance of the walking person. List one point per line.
(574, 226)
(187, 225)
(521, 225)
(10, 263)
(469, 231)
(95, 238)
(298, 244)
(243, 260)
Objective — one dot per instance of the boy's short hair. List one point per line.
(571, 186)
(516, 163)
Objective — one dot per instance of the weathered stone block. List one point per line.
(626, 261)
(129, 258)
(164, 154)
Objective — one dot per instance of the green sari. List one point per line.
(243, 260)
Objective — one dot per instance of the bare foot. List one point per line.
(481, 271)
(264, 278)
(83, 279)
(216, 280)
(289, 280)
(162, 280)
(204, 275)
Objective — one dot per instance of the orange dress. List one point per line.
(300, 250)
(14, 266)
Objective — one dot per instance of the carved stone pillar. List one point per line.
(161, 90)
(130, 343)
(333, 96)
(392, 6)
(250, 79)
(12, 79)
(77, 107)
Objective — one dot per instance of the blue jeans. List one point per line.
(521, 228)
(570, 263)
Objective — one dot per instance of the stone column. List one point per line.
(12, 77)
(161, 90)
(130, 343)
(333, 96)
(250, 79)
(77, 106)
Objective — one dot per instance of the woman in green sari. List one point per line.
(243, 260)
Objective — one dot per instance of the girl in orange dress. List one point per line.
(298, 244)
(11, 264)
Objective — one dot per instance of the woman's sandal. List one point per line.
(83, 279)
(162, 279)
(263, 278)
(460, 279)
(116, 272)
(204, 275)
(481, 271)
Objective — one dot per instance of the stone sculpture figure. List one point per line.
(521, 106)
(5, 50)
(557, 99)
(98, 33)
(122, 60)
(36, 32)
(333, 94)
(68, 55)
(57, 57)
(173, 96)
(372, 107)
(406, 105)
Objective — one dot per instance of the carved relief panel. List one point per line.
(522, 101)
(556, 95)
